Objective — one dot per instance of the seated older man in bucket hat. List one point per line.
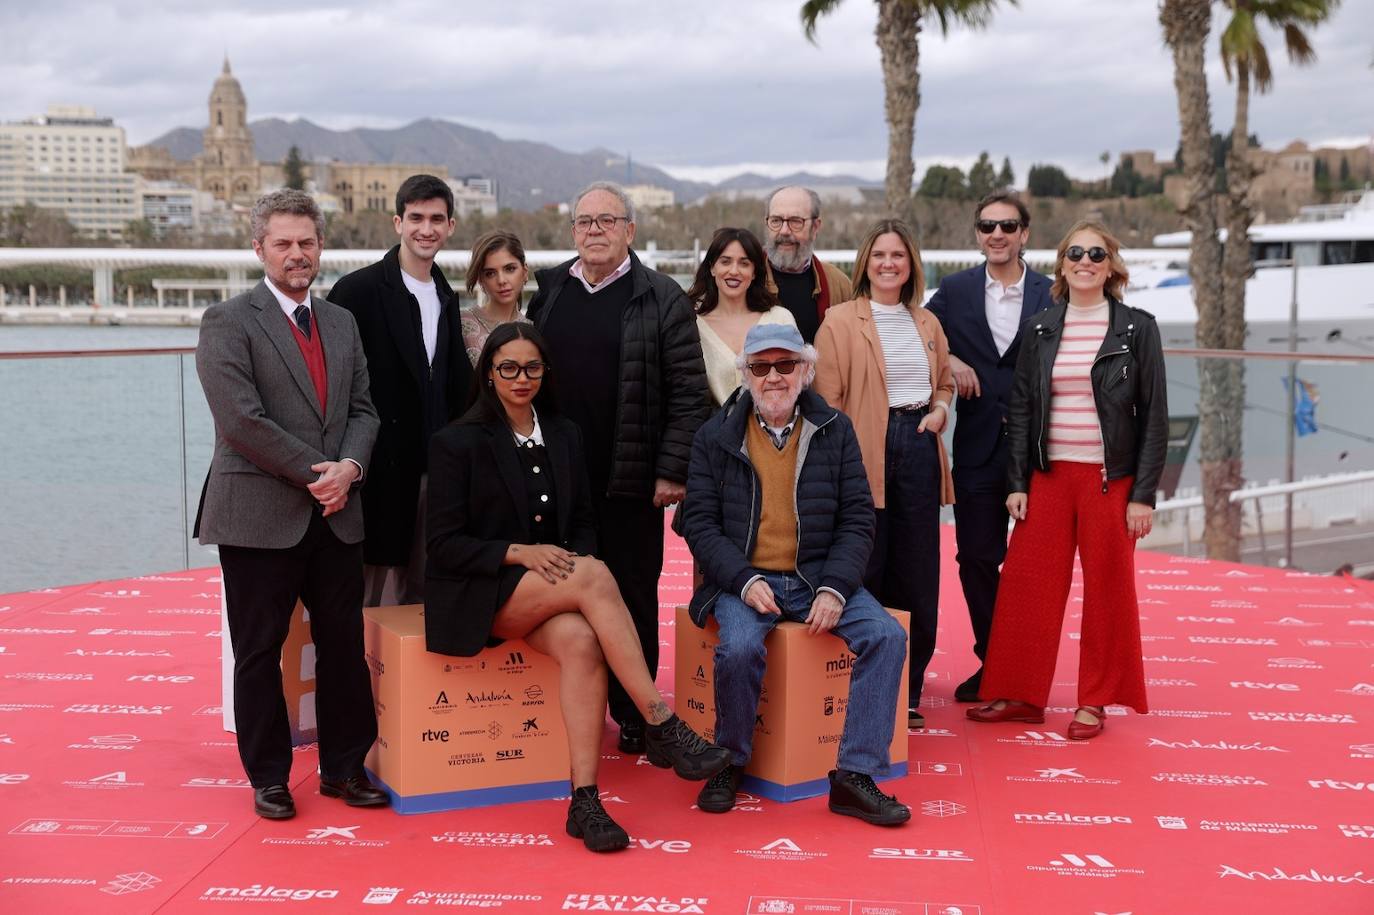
(779, 516)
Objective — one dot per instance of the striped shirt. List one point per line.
(904, 355)
(1075, 433)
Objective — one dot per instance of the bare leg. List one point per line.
(581, 688)
(591, 591)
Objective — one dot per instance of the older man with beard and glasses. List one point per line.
(805, 285)
(779, 517)
(623, 339)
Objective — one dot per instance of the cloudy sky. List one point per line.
(704, 89)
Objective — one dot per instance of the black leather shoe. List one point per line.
(356, 791)
(673, 744)
(718, 794)
(854, 794)
(589, 821)
(914, 720)
(968, 690)
(274, 802)
(631, 737)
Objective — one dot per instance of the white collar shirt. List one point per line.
(288, 304)
(577, 271)
(1002, 304)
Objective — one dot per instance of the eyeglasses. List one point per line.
(603, 221)
(1095, 254)
(511, 370)
(1008, 226)
(784, 367)
(795, 223)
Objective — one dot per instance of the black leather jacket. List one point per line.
(1128, 386)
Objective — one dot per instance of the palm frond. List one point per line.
(811, 11)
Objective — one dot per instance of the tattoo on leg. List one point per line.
(659, 712)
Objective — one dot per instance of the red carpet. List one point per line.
(1249, 789)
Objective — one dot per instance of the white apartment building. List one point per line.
(70, 160)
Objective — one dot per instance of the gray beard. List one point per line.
(790, 262)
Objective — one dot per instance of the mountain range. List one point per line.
(529, 175)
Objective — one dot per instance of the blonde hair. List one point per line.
(1116, 280)
(914, 289)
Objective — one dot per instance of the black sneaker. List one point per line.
(914, 719)
(718, 794)
(589, 821)
(673, 744)
(853, 794)
(968, 690)
(631, 738)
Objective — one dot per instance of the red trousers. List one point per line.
(1067, 510)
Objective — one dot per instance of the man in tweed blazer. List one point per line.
(287, 384)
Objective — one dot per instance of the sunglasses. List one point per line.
(784, 367)
(1008, 226)
(1095, 254)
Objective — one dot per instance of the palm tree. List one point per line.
(1221, 400)
(897, 33)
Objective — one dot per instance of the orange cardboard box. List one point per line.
(461, 732)
(801, 707)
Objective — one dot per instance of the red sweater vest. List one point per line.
(313, 351)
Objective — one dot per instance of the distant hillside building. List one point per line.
(649, 196)
(70, 160)
(228, 168)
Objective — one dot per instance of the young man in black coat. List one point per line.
(408, 318)
(981, 310)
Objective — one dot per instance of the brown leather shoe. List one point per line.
(1012, 711)
(1080, 731)
(356, 791)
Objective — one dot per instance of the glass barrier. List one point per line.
(102, 456)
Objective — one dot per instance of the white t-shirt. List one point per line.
(905, 363)
(428, 297)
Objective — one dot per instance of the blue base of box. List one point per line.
(800, 791)
(473, 797)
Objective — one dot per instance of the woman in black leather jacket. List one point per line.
(1086, 436)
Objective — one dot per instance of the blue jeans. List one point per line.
(869, 631)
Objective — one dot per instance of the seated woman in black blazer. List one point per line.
(508, 495)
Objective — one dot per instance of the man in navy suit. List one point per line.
(982, 310)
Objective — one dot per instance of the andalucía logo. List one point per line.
(598, 902)
(1308, 876)
(1215, 745)
(490, 697)
(780, 850)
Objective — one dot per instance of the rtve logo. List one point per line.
(1280, 687)
(1336, 785)
(429, 735)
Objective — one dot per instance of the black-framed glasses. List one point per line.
(1008, 226)
(603, 221)
(1095, 254)
(510, 370)
(795, 223)
(784, 367)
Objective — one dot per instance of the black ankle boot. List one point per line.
(673, 744)
(589, 821)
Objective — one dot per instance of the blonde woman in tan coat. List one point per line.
(884, 362)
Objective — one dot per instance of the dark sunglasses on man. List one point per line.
(1095, 254)
(988, 226)
(784, 367)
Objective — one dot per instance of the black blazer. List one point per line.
(959, 304)
(477, 508)
(410, 405)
